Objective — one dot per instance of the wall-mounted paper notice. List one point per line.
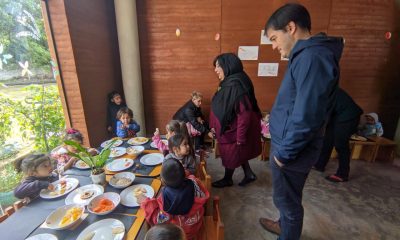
(268, 69)
(264, 39)
(248, 52)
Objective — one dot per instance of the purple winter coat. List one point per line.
(245, 129)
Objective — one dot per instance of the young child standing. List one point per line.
(181, 200)
(126, 126)
(179, 148)
(372, 126)
(38, 172)
(115, 103)
(265, 126)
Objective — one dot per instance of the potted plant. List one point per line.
(96, 162)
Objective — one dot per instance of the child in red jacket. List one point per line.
(181, 200)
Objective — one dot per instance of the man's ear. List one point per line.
(291, 27)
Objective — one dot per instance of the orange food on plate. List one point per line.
(103, 205)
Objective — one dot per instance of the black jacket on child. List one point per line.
(189, 113)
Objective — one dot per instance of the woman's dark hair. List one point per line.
(229, 62)
(165, 231)
(172, 173)
(287, 13)
(123, 111)
(112, 94)
(29, 164)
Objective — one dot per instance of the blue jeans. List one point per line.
(288, 183)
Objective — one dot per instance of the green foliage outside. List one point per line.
(22, 34)
(39, 117)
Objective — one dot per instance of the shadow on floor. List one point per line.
(366, 207)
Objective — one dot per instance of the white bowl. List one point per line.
(54, 219)
(114, 197)
(129, 175)
(135, 150)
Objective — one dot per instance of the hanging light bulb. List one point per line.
(217, 36)
(178, 32)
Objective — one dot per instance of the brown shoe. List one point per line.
(270, 226)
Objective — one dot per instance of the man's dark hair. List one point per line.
(287, 13)
(172, 173)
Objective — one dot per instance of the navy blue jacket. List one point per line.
(306, 96)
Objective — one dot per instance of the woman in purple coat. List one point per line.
(235, 118)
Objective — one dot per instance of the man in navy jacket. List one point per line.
(300, 112)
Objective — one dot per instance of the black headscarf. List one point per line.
(234, 89)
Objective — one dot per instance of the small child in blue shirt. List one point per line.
(126, 126)
(372, 126)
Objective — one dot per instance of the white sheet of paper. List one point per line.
(264, 39)
(268, 69)
(248, 52)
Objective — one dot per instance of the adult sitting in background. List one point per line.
(343, 123)
(191, 114)
(235, 117)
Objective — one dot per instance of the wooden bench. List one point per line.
(266, 147)
(213, 227)
(11, 209)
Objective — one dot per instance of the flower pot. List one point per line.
(98, 178)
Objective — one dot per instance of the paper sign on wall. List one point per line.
(264, 39)
(268, 69)
(248, 52)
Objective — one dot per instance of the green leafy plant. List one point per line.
(96, 162)
(9, 178)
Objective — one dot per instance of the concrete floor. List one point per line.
(366, 207)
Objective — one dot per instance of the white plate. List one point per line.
(138, 141)
(152, 159)
(129, 175)
(112, 196)
(115, 144)
(153, 144)
(72, 183)
(43, 236)
(117, 152)
(54, 219)
(128, 198)
(119, 164)
(75, 196)
(358, 138)
(103, 230)
(81, 165)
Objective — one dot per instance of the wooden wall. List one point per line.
(173, 67)
(85, 37)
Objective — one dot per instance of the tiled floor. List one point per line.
(366, 207)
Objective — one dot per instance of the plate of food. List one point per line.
(64, 217)
(129, 195)
(119, 164)
(117, 143)
(117, 152)
(135, 150)
(138, 141)
(152, 159)
(81, 165)
(104, 203)
(61, 187)
(84, 194)
(122, 180)
(43, 236)
(153, 144)
(110, 228)
(358, 138)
